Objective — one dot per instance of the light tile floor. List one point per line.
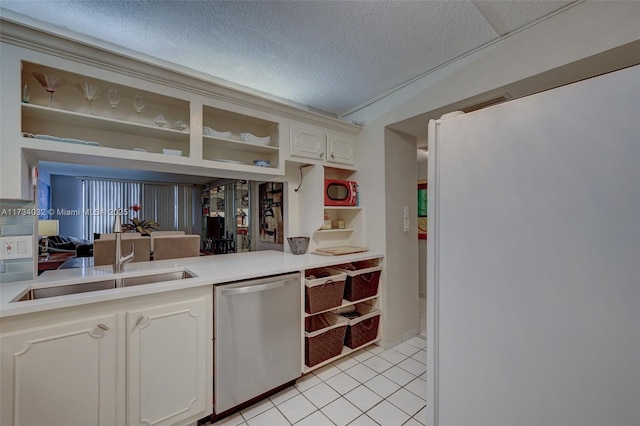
(372, 386)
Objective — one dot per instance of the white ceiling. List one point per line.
(332, 56)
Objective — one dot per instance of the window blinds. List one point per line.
(169, 205)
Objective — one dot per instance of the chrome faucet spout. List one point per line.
(118, 260)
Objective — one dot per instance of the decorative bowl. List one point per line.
(160, 120)
(262, 163)
(176, 152)
(180, 125)
(208, 131)
(298, 244)
(248, 137)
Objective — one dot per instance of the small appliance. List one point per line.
(340, 192)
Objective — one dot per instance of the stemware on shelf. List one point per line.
(114, 99)
(138, 104)
(90, 92)
(50, 82)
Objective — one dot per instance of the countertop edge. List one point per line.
(208, 270)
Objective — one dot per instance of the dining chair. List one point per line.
(176, 246)
(103, 249)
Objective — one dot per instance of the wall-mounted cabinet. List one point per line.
(324, 146)
(341, 148)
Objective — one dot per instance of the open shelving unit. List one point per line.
(73, 126)
(233, 149)
(70, 119)
(371, 300)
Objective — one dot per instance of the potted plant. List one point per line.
(144, 227)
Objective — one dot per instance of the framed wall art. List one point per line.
(422, 209)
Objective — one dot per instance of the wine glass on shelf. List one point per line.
(138, 104)
(90, 93)
(114, 99)
(49, 82)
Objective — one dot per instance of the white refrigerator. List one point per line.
(533, 287)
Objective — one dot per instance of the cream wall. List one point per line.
(402, 247)
(582, 31)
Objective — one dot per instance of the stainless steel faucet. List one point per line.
(118, 260)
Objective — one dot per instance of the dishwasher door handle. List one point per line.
(252, 288)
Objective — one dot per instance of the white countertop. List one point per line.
(207, 270)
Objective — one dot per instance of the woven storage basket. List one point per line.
(323, 293)
(324, 337)
(363, 329)
(361, 282)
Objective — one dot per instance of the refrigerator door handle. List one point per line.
(251, 288)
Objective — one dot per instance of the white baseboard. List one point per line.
(388, 344)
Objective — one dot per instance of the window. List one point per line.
(169, 205)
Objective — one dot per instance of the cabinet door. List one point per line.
(63, 374)
(166, 361)
(307, 142)
(341, 148)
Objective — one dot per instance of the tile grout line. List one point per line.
(352, 362)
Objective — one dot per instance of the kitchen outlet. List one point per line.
(16, 247)
(406, 225)
(405, 213)
(8, 248)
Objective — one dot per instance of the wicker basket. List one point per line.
(323, 293)
(324, 337)
(363, 329)
(361, 282)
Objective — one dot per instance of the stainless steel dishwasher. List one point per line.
(257, 338)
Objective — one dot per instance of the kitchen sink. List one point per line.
(62, 290)
(155, 278)
(41, 293)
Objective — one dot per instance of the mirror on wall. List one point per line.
(226, 210)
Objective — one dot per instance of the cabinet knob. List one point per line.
(333, 156)
(104, 327)
(140, 319)
(321, 154)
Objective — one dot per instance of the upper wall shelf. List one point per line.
(77, 119)
(241, 146)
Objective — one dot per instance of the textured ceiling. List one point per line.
(333, 56)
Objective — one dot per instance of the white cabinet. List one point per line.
(61, 374)
(307, 142)
(341, 148)
(166, 362)
(139, 361)
(319, 144)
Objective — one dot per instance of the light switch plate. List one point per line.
(406, 225)
(406, 212)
